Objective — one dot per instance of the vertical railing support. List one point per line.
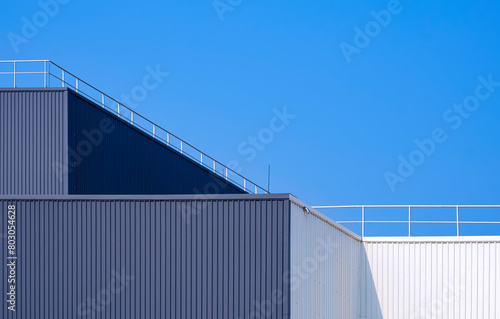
(255, 189)
(201, 158)
(15, 84)
(76, 85)
(118, 109)
(181, 147)
(154, 130)
(226, 173)
(168, 138)
(244, 184)
(458, 223)
(131, 117)
(363, 221)
(103, 100)
(63, 78)
(45, 74)
(409, 221)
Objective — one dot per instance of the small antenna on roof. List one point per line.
(269, 179)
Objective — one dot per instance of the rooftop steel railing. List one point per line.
(457, 219)
(31, 73)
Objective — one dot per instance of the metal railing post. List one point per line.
(45, 74)
(244, 184)
(63, 78)
(409, 221)
(103, 100)
(226, 173)
(201, 158)
(15, 84)
(255, 189)
(118, 109)
(131, 117)
(77, 85)
(181, 147)
(168, 138)
(154, 131)
(458, 230)
(363, 221)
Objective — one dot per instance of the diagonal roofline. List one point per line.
(47, 71)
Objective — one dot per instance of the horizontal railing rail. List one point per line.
(65, 78)
(456, 221)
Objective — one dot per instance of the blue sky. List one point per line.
(233, 64)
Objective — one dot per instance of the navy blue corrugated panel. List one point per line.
(128, 161)
(144, 258)
(33, 140)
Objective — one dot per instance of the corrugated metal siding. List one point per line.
(130, 162)
(187, 258)
(448, 280)
(325, 268)
(33, 126)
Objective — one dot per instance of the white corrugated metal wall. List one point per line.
(324, 259)
(392, 277)
(431, 278)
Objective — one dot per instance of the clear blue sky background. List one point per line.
(353, 120)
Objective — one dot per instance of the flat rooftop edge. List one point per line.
(151, 197)
(432, 239)
(38, 88)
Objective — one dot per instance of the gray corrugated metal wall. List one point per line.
(33, 139)
(51, 142)
(212, 257)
